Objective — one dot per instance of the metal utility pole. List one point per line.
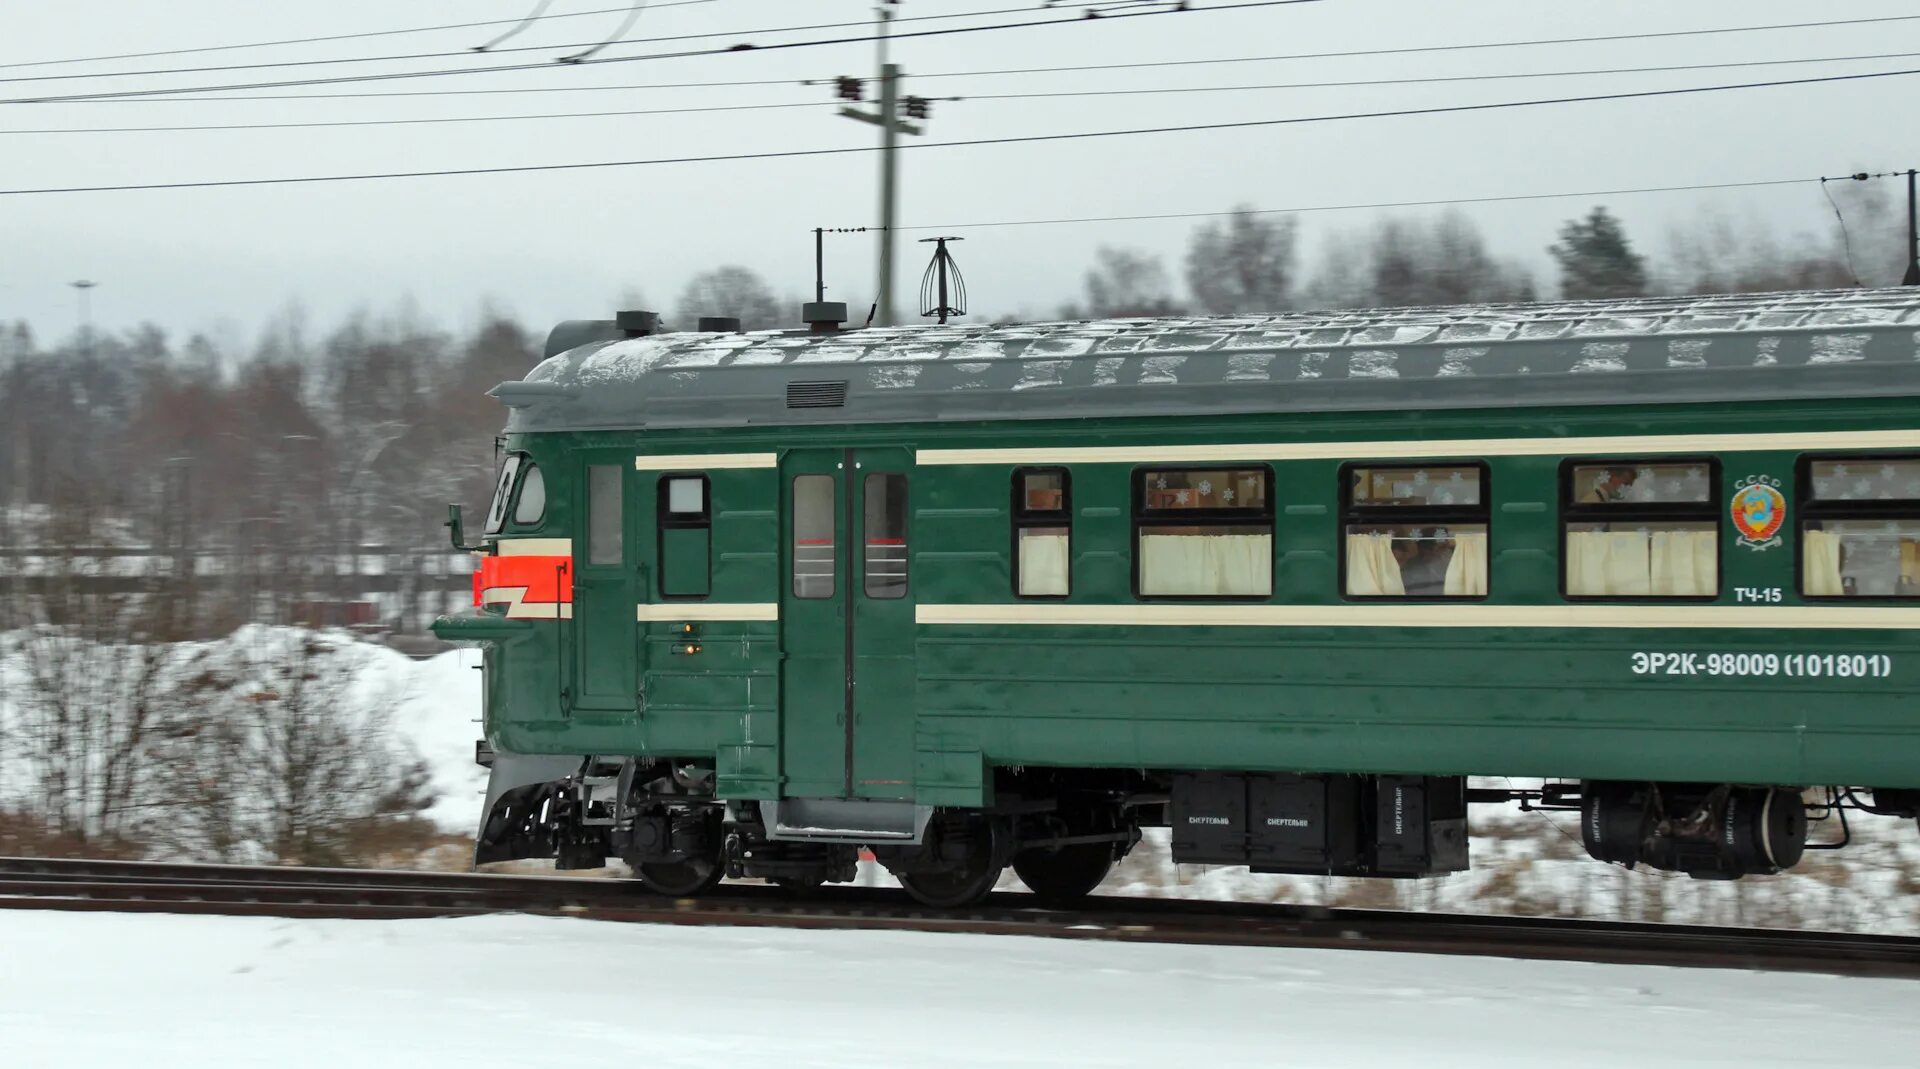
(1912, 277)
(86, 315)
(891, 127)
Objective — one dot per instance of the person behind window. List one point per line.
(1423, 562)
(1612, 487)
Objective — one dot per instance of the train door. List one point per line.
(605, 626)
(847, 624)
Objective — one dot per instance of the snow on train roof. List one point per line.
(1645, 350)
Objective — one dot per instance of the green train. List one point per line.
(974, 596)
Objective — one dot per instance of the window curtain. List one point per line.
(1467, 571)
(1909, 565)
(1371, 570)
(1821, 560)
(1206, 565)
(1643, 564)
(1043, 564)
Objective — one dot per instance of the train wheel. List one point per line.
(1066, 875)
(970, 879)
(680, 879)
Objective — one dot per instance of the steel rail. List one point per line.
(34, 883)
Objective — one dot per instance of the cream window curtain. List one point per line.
(1372, 572)
(1821, 558)
(1206, 564)
(1043, 564)
(1467, 571)
(1643, 563)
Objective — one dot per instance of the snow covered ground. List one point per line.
(161, 991)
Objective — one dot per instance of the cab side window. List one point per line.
(685, 512)
(503, 492)
(531, 507)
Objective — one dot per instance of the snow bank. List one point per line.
(169, 991)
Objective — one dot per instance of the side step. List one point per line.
(844, 820)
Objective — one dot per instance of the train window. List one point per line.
(884, 555)
(532, 503)
(686, 536)
(1626, 484)
(813, 551)
(1640, 529)
(1415, 532)
(1203, 532)
(502, 491)
(603, 514)
(1859, 527)
(1042, 533)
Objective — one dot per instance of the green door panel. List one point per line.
(883, 624)
(603, 633)
(813, 623)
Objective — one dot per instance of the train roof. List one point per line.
(1835, 343)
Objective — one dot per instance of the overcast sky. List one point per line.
(567, 244)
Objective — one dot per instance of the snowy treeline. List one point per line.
(1250, 261)
(267, 745)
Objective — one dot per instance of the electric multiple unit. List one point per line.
(974, 596)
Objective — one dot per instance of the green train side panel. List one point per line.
(1532, 701)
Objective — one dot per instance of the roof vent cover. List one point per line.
(816, 394)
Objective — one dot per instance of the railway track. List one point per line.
(35, 883)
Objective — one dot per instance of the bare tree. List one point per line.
(283, 752)
(730, 291)
(1400, 262)
(1243, 264)
(1717, 253)
(1125, 282)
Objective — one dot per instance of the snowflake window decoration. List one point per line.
(1160, 483)
(1886, 472)
(1839, 471)
(1862, 487)
(1180, 497)
(1420, 477)
(1227, 495)
(1206, 487)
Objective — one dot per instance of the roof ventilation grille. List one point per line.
(816, 394)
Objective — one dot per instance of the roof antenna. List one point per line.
(942, 291)
(538, 9)
(870, 313)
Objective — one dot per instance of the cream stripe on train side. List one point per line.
(704, 461)
(673, 611)
(534, 547)
(1598, 445)
(1165, 614)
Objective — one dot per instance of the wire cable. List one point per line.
(1374, 205)
(593, 46)
(1082, 135)
(1845, 237)
(116, 98)
(1411, 50)
(435, 120)
(186, 128)
(334, 37)
(626, 26)
(538, 12)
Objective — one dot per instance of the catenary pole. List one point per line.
(1912, 277)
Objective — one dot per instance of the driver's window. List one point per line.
(502, 491)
